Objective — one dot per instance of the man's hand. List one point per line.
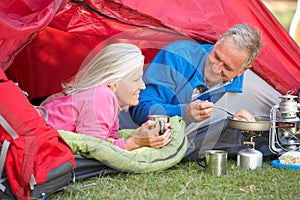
(197, 111)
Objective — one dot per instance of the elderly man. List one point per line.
(187, 78)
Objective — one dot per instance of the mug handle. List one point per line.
(201, 162)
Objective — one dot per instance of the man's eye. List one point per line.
(217, 57)
(227, 67)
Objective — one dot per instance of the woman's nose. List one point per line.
(142, 85)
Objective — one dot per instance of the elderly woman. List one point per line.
(91, 100)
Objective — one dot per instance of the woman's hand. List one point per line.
(149, 138)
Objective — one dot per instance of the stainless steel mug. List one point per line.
(216, 162)
(161, 120)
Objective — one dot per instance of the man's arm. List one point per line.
(170, 80)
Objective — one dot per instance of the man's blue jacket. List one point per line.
(171, 78)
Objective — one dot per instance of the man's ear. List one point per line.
(244, 69)
(113, 86)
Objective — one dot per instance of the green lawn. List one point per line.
(190, 181)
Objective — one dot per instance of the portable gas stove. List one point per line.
(250, 158)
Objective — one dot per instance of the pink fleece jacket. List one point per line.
(92, 112)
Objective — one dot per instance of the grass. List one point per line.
(190, 181)
(285, 18)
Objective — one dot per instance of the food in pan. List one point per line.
(244, 115)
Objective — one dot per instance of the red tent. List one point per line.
(44, 42)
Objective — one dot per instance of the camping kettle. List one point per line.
(249, 158)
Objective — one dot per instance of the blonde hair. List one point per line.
(114, 63)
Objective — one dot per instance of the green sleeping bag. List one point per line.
(137, 161)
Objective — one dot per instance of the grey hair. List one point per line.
(247, 38)
(114, 63)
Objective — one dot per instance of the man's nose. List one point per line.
(218, 66)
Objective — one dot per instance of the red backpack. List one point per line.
(33, 153)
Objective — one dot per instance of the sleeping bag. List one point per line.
(141, 160)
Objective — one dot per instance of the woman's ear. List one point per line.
(113, 86)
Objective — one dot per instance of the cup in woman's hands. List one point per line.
(160, 120)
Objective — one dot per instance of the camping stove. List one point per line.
(250, 158)
(285, 125)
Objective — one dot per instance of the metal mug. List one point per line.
(215, 162)
(161, 120)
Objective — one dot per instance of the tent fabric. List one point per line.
(20, 22)
(57, 51)
(2, 75)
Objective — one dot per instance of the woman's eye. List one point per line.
(137, 80)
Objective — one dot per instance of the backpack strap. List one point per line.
(45, 112)
(4, 150)
(8, 128)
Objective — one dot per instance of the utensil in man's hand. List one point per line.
(220, 108)
(223, 109)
